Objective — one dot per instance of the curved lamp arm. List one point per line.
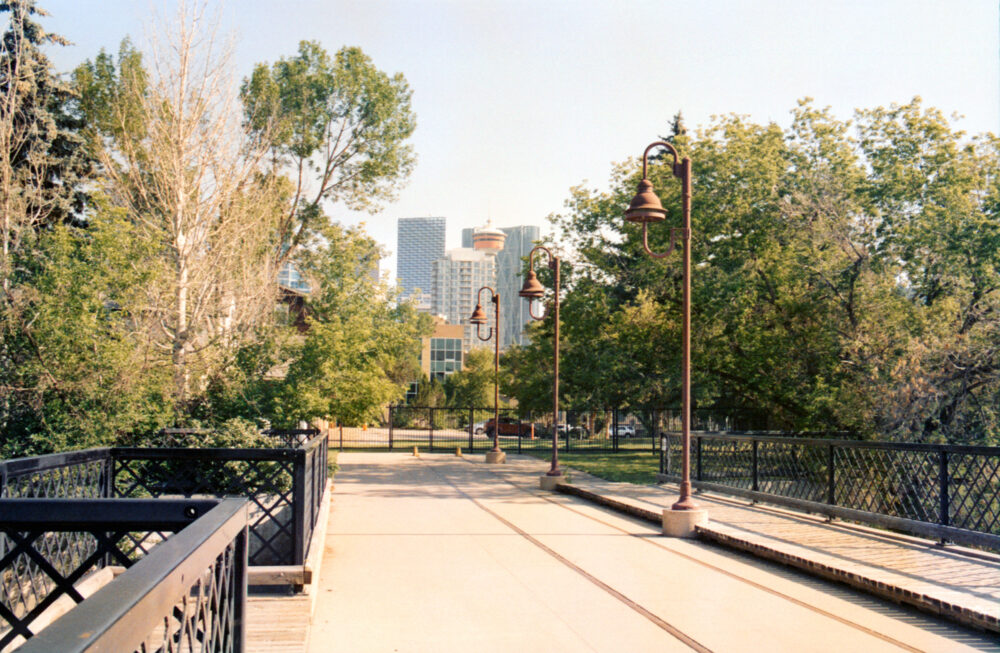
(681, 168)
(493, 298)
(552, 265)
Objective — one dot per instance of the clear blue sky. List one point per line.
(519, 100)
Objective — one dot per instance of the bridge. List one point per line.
(128, 549)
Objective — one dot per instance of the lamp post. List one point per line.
(479, 318)
(532, 290)
(646, 208)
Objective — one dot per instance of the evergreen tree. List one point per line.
(43, 149)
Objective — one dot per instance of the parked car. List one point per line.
(508, 426)
(624, 431)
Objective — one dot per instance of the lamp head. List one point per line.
(645, 206)
(478, 315)
(532, 289)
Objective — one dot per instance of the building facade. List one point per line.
(509, 264)
(456, 280)
(419, 242)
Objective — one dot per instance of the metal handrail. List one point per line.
(119, 616)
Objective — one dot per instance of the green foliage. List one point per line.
(339, 119)
(343, 367)
(81, 374)
(844, 278)
(44, 161)
(473, 384)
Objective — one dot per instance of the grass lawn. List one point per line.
(638, 467)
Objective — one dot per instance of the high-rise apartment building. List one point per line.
(457, 278)
(513, 309)
(419, 242)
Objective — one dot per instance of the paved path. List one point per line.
(953, 581)
(446, 554)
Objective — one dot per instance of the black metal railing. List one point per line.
(284, 485)
(948, 492)
(445, 429)
(184, 593)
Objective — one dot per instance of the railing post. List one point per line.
(943, 480)
(519, 434)
(391, 421)
(298, 507)
(108, 491)
(756, 465)
(831, 487)
(241, 561)
(430, 435)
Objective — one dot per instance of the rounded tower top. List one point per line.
(488, 238)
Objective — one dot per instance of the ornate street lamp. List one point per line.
(646, 208)
(479, 318)
(532, 290)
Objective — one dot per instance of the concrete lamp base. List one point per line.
(681, 523)
(496, 457)
(549, 483)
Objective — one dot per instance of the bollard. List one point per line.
(416, 452)
(458, 451)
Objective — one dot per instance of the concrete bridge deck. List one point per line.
(441, 554)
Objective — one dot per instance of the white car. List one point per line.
(625, 431)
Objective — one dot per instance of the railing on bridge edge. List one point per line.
(284, 485)
(185, 592)
(945, 492)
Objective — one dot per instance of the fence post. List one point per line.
(391, 420)
(565, 423)
(298, 507)
(943, 480)
(756, 484)
(430, 436)
(831, 487)
(519, 434)
(614, 430)
(472, 428)
(698, 448)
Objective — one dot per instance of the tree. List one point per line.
(43, 163)
(83, 372)
(192, 180)
(472, 386)
(339, 124)
(844, 278)
(344, 367)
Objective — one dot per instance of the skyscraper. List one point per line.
(419, 242)
(458, 276)
(513, 309)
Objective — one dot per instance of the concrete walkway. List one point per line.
(443, 554)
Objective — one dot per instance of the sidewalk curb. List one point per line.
(865, 582)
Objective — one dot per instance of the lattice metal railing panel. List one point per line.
(38, 567)
(78, 480)
(974, 487)
(792, 469)
(204, 620)
(898, 483)
(727, 462)
(266, 483)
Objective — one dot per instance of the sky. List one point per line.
(517, 101)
